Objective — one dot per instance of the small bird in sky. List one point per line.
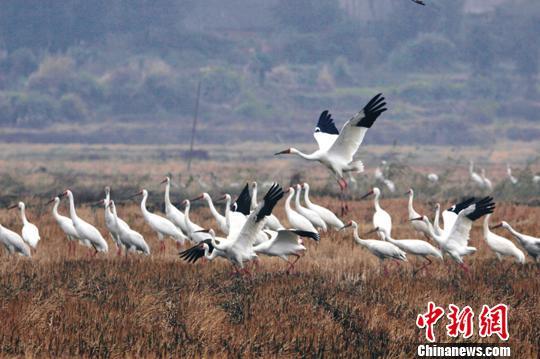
(419, 2)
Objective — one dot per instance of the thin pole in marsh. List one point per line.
(194, 127)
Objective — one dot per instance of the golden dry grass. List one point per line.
(337, 304)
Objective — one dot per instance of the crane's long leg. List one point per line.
(343, 187)
(429, 261)
(291, 268)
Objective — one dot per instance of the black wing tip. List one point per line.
(313, 235)
(193, 254)
(483, 206)
(271, 198)
(374, 108)
(462, 205)
(326, 124)
(243, 202)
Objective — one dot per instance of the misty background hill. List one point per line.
(114, 71)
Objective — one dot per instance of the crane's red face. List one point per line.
(284, 152)
(165, 180)
(496, 226)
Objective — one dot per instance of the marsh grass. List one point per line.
(338, 303)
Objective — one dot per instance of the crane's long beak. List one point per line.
(221, 199)
(372, 231)
(345, 226)
(164, 181)
(50, 201)
(367, 194)
(14, 206)
(197, 198)
(288, 150)
(496, 226)
(416, 219)
(135, 195)
(202, 231)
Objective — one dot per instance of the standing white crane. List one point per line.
(162, 226)
(529, 243)
(381, 249)
(172, 213)
(88, 234)
(475, 177)
(487, 183)
(512, 179)
(110, 223)
(455, 244)
(437, 228)
(272, 222)
(415, 247)
(336, 150)
(66, 225)
(500, 245)
(381, 218)
(312, 216)
(220, 219)
(131, 240)
(296, 220)
(418, 226)
(30, 233)
(328, 216)
(194, 231)
(239, 248)
(14, 242)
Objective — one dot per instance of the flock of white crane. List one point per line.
(251, 230)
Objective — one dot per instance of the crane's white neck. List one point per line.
(23, 214)
(356, 236)
(486, 226)
(143, 204)
(213, 209)
(288, 200)
(515, 233)
(437, 238)
(412, 212)
(72, 212)
(167, 193)
(306, 196)
(297, 199)
(376, 201)
(436, 220)
(254, 197)
(55, 209)
(308, 156)
(189, 224)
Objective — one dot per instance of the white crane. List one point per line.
(172, 213)
(415, 247)
(272, 222)
(450, 216)
(381, 218)
(66, 225)
(436, 227)
(487, 183)
(14, 242)
(30, 233)
(433, 177)
(529, 243)
(236, 220)
(239, 248)
(381, 249)
(475, 177)
(312, 216)
(110, 223)
(194, 231)
(220, 219)
(336, 150)
(419, 226)
(162, 226)
(296, 220)
(512, 179)
(328, 216)
(285, 243)
(455, 244)
(88, 234)
(130, 239)
(500, 245)
(536, 178)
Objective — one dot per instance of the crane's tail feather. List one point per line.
(355, 166)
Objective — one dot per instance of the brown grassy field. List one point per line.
(338, 303)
